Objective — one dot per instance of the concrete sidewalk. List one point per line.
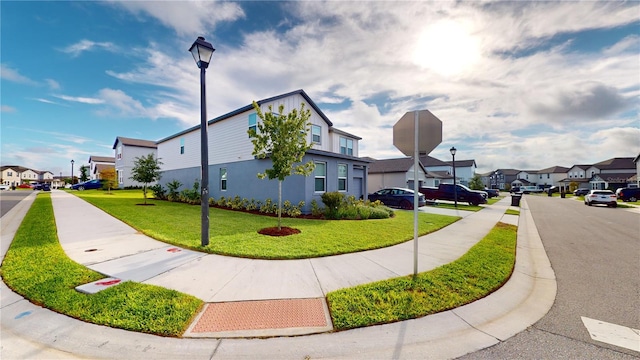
(117, 250)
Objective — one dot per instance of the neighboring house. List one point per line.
(505, 179)
(126, 152)
(45, 176)
(612, 173)
(577, 175)
(29, 176)
(553, 176)
(11, 175)
(465, 170)
(233, 169)
(99, 163)
(442, 171)
(397, 172)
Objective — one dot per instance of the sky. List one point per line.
(520, 85)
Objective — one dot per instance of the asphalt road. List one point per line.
(595, 253)
(9, 199)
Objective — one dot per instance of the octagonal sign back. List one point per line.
(429, 132)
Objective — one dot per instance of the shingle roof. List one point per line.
(616, 163)
(462, 163)
(108, 159)
(554, 170)
(391, 165)
(135, 142)
(428, 161)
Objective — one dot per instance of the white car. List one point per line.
(606, 197)
(4, 187)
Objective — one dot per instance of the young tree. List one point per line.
(476, 183)
(109, 176)
(84, 173)
(146, 169)
(283, 139)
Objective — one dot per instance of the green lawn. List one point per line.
(482, 270)
(235, 233)
(37, 268)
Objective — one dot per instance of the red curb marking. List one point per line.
(173, 250)
(110, 282)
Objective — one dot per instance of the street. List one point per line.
(595, 253)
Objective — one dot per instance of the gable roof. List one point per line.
(509, 171)
(398, 165)
(250, 107)
(107, 159)
(135, 142)
(427, 161)
(463, 163)
(616, 163)
(554, 170)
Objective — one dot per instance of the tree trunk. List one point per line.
(279, 204)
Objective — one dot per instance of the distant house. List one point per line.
(11, 175)
(100, 163)
(637, 162)
(126, 152)
(442, 171)
(233, 169)
(552, 176)
(397, 172)
(612, 173)
(505, 179)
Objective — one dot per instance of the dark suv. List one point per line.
(629, 194)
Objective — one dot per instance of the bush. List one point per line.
(173, 194)
(191, 196)
(315, 209)
(332, 203)
(158, 192)
(379, 213)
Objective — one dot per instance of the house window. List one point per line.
(119, 152)
(320, 174)
(223, 178)
(120, 177)
(342, 177)
(316, 132)
(181, 146)
(253, 122)
(346, 146)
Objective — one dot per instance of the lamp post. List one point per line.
(202, 51)
(455, 186)
(72, 171)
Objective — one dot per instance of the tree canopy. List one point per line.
(283, 139)
(146, 169)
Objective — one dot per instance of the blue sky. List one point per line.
(525, 85)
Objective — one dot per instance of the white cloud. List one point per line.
(87, 45)
(80, 99)
(7, 109)
(186, 17)
(13, 75)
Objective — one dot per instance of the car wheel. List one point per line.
(406, 204)
(80, 188)
(614, 205)
(588, 203)
(633, 199)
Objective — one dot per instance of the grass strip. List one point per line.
(512, 212)
(235, 233)
(37, 268)
(482, 270)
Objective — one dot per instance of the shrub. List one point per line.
(379, 213)
(159, 192)
(191, 196)
(332, 202)
(364, 212)
(173, 194)
(315, 209)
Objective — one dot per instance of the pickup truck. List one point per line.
(446, 192)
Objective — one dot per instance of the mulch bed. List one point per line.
(284, 231)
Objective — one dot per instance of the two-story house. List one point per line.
(504, 179)
(552, 176)
(126, 152)
(11, 175)
(100, 163)
(233, 169)
(612, 173)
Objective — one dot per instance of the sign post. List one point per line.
(413, 138)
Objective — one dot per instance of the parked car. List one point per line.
(581, 192)
(24, 186)
(4, 187)
(492, 192)
(462, 194)
(552, 189)
(515, 190)
(628, 194)
(88, 185)
(36, 186)
(397, 197)
(45, 187)
(530, 189)
(605, 197)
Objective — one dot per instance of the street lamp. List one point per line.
(202, 51)
(455, 186)
(72, 171)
